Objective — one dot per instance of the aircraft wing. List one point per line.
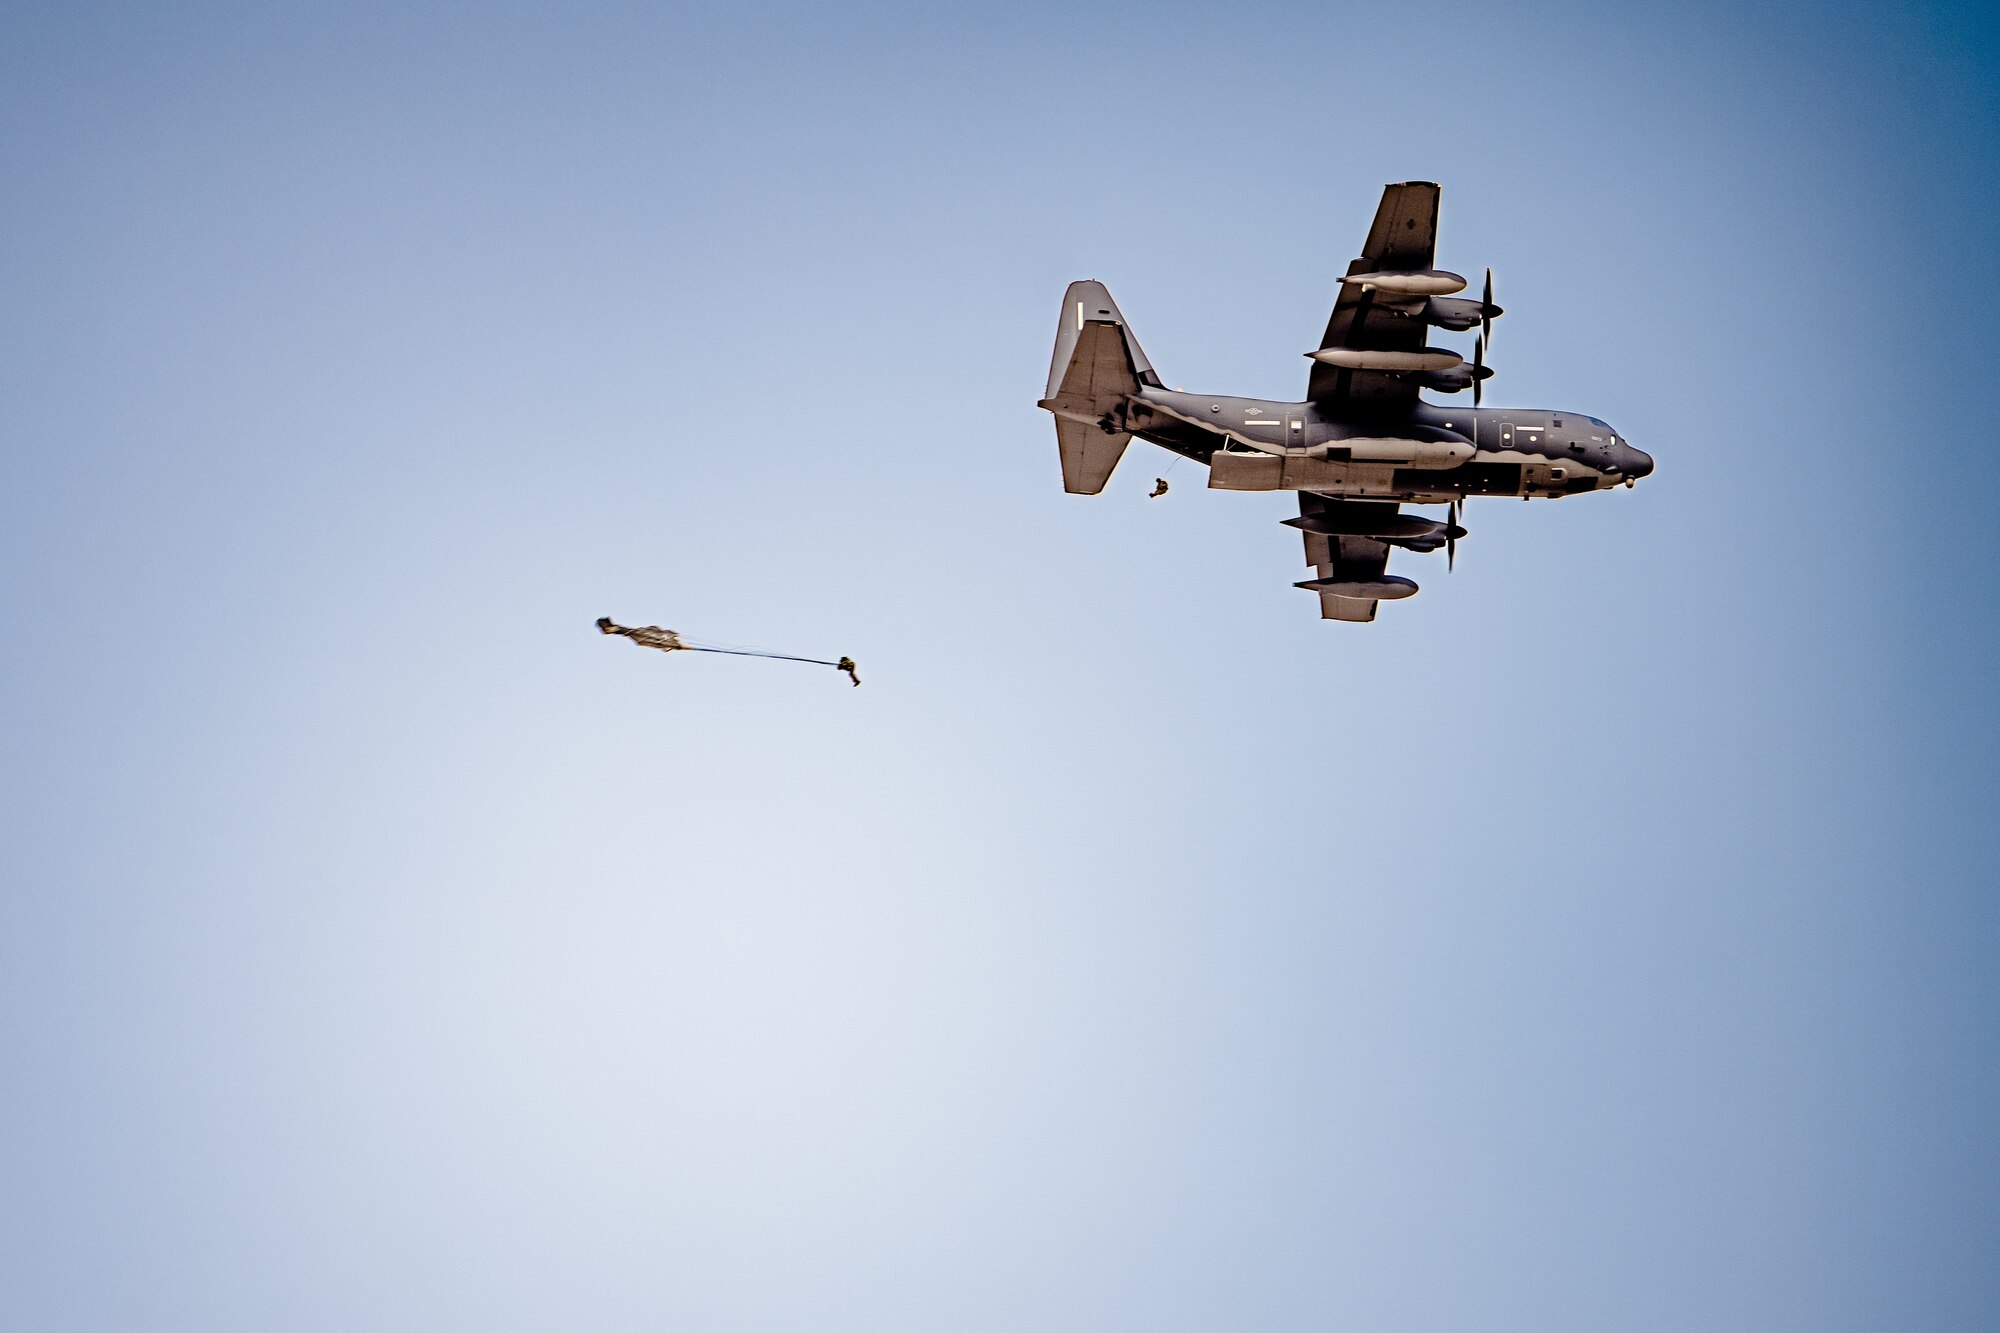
(1404, 237)
(1353, 572)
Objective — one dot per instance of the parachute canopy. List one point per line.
(667, 641)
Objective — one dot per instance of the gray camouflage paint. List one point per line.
(1528, 452)
(1367, 444)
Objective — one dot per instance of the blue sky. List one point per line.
(1603, 938)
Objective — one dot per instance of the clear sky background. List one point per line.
(1603, 939)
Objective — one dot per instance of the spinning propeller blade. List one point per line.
(1487, 309)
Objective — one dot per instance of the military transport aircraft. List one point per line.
(1363, 443)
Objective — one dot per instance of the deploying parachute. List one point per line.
(667, 641)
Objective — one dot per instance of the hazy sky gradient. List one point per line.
(1603, 939)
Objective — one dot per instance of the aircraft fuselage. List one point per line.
(1429, 455)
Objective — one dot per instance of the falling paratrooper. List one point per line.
(667, 641)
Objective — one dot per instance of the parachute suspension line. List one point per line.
(667, 641)
(753, 652)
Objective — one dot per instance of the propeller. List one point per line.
(1452, 530)
(1487, 310)
(1478, 366)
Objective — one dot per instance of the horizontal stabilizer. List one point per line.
(1089, 455)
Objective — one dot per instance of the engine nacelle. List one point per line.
(1455, 313)
(1455, 380)
(1412, 532)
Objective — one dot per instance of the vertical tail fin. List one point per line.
(1087, 302)
(1097, 365)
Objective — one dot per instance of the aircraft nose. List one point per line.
(1638, 463)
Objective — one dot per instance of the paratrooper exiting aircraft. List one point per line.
(1364, 442)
